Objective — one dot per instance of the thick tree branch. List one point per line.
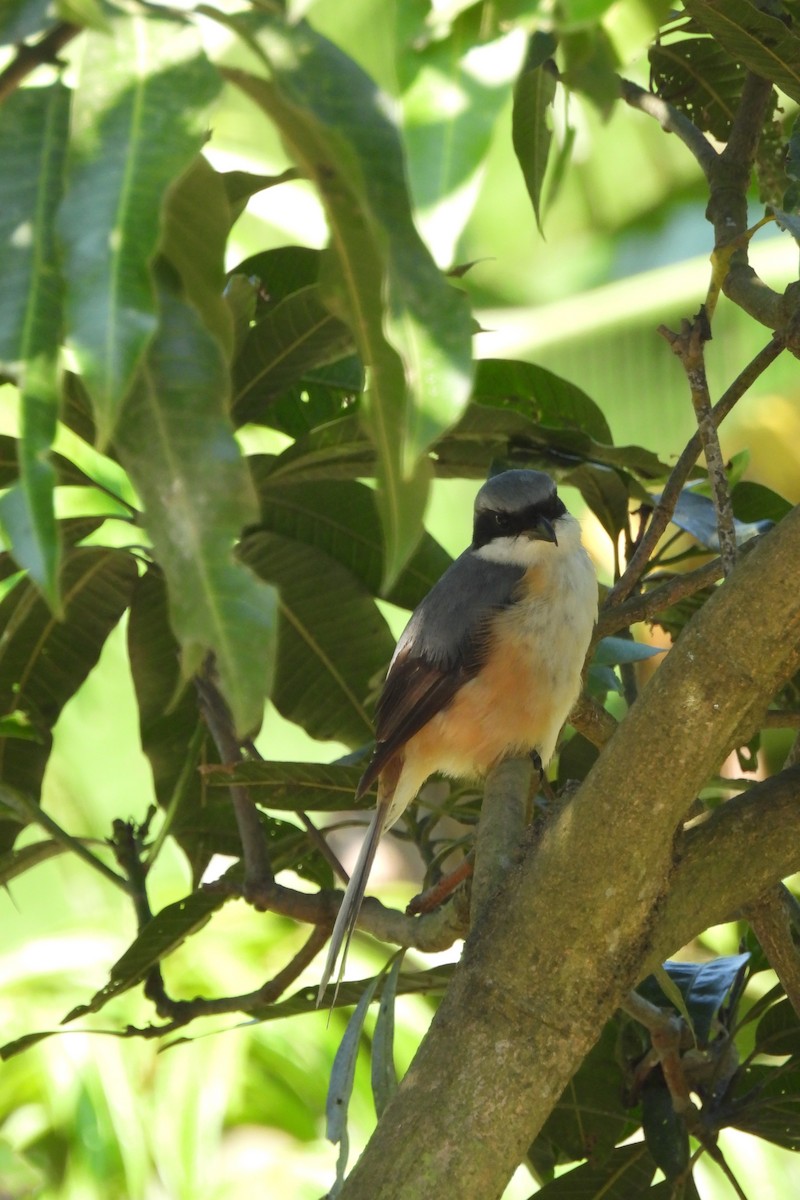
(570, 930)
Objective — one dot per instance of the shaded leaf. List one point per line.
(611, 651)
(695, 514)
(323, 673)
(19, 19)
(384, 1073)
(295, 336)
(17, 862)
(767, 1104)
(531, 131)
(665, 1132)
(195, 224)
(625, 1175)
(704, 987)
(293, 787)
(340, 1087)
(754, 503)
(139, 114)
(340, 518)
(280, 272)
(176, 443)
(33, 138)
(763, 42)
(700, 79)
(241, 185)
(778, 1031)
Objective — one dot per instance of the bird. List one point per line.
(488, 666)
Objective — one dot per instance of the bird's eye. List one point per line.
(502, 520)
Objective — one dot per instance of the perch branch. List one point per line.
(42, 53)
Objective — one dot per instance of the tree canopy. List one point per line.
(222, 429)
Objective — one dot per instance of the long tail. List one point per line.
(351, 904)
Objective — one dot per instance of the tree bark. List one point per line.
(591, 906)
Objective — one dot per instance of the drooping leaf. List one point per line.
(340, 518)
(323, 674)
(293, 787)
(665, 1132)
(531, 131)
(384, 1073)
(295, 336)
(33, 138)
(175, 441)
(161, 936)
(611, 651)
(195, 224)
(624, 1175)
(138, 122)
(766, 44)
(340, 1087)
(410, 325)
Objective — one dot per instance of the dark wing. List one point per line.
(442, 647)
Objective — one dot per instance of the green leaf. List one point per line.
(293, 338)
(624, 1175)
(665, 1132)
(530, 122)
(293, 787)
(763, 42)
(410, 325)
(176, 442)
(324, 671)
(159, 938)
(778, 1031)
(195, 224)
(139, 120)
(340, 1088)
(767, 1104)
(33, 136)
(341, 519)
(540, 395)
(753, 502)
(241, 185)
(280, 272)
(17, 862)
(697, 77)
(697, 515)
(172, 734)
(384, 1073)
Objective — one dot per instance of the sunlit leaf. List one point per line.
(530, 129)
(33, 137)
(175, 441)
(139, 119)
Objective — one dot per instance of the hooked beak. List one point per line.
(542, 531)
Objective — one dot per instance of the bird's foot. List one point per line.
(434, 896)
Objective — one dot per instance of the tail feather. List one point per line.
(347, 917)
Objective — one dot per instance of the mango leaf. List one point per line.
(195, 224)
(665, 1132)
(778, 1031)
(767, 1103)
(172, 733)
(340, 518)
(696, 514)
(324, 671)
(410, 325)
(338, 449)
(161, 936)
(280, 272)
(176, 443)
(17, 862)
(340, 1087)
(384, 1072)
(531, 131)
(453, 90)
(704, 987)
(765, 43)
(139, 115)
(624, 1175)
(589, 1118)
(295, 336)
(540, 395)
(33, 137)
(697, 76)
(293, 787)
(241, 185)
(753, 502)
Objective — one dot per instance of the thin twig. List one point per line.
(41, 53)
(662, 513)
(646, 605)
(257, 869)
(688, 346)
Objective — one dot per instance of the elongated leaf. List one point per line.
(696, 76)
(384, 1072)
(340, 517)
(696, 515)
(293, 787)
(763, 42)
(540, 395)
(530, 125)
(778, 1031)
(33, 136)
(614, 650)
(665, 1132)
(453, 90)
(139, 120)
(159, 938)
(411, 327)
(340, 1088)
(17, 862)
(293, 338)
(624, 1175)
(196, 221)
(325, 670)
(177, 445)
(170, 727)
(772, 1110)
